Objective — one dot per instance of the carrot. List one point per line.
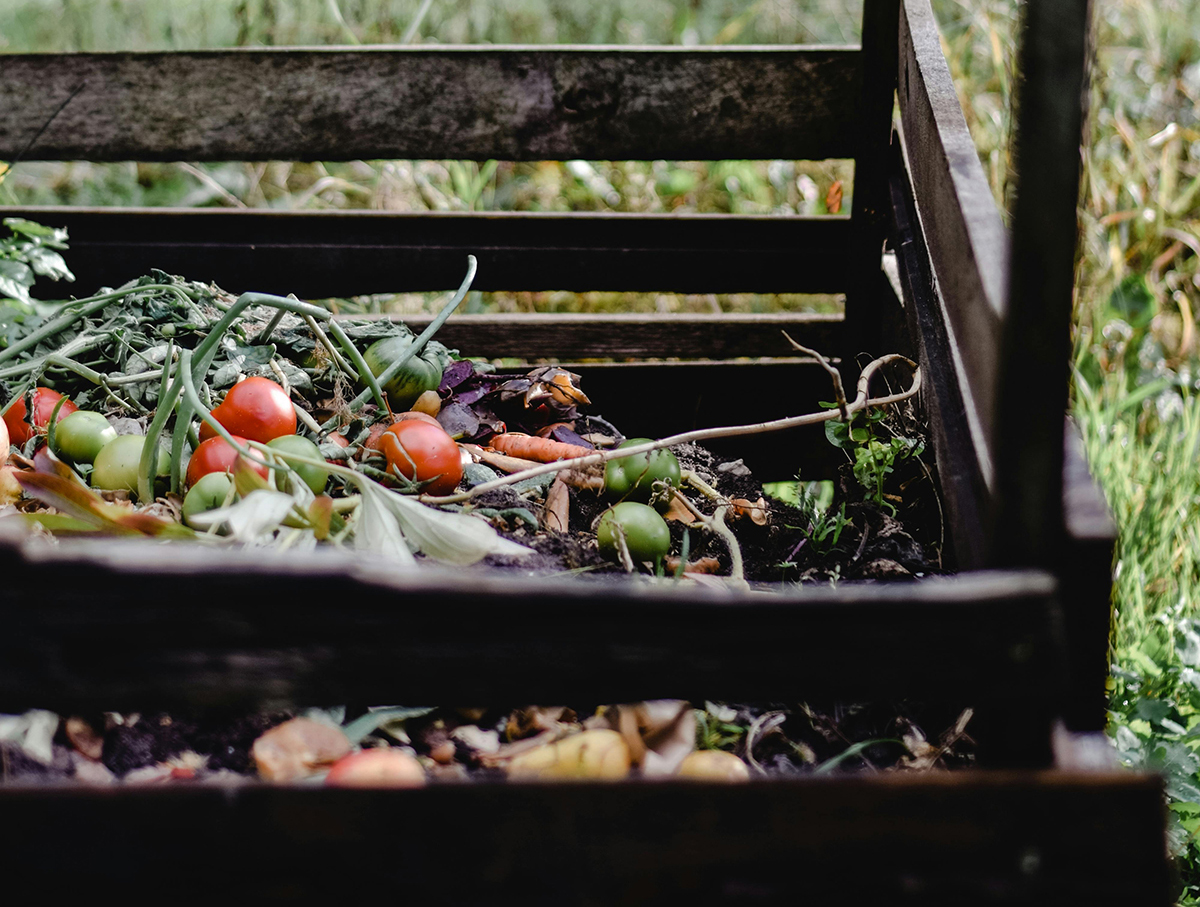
(543, 450)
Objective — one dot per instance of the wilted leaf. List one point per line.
(377, 530)
(252, 519)
(84, 504)
(451, 538)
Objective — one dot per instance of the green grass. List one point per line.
(1137, 395)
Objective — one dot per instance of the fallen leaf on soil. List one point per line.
(679, 511)
(10, 488)
(708, 565)
(84, 737)
(757, 511)
(298, 748)
(659, 733)
(556, 515)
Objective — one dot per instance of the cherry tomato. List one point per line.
(44, 401)
(116, 466)
(81, 436)
(313, 476)
(208, 493)
(646, 534)
(217, 455)
(632, 478)
(426, 447)
(256, 408)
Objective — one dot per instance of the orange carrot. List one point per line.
(543, 450)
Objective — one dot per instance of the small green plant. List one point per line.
(715, 728)
(874, 458)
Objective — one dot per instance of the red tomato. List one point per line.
(256, 408)
(44, 401)
(428, 448)
(217, 455)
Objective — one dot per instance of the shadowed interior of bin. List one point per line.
(561, 103)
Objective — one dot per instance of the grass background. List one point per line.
(1137, 360)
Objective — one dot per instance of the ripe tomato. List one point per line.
(217, 455)
(44, 401)
(426, 447)
(256, 408)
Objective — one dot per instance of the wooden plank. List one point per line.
(1086, 569)
(348, 253)
(631, 336)
(961, 225)
(867, 310)
(1033, 371)
(1048, 838)
(511, 103)
(130, 627)
(965, 497)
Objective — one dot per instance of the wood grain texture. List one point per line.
(511, 103)
(1034, 370)
(962, 228)
(130, 627)
(1051, 838)
(348, 253)
(965, 498)
(625, 336)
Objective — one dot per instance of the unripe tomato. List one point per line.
(81, 436)
(646, 534)
(257, 408)
(422, 373)
(44, 401)
(208, 493)
(313, 476)
(632, 478)
(116, 466)
(420, 451)
(217, 455)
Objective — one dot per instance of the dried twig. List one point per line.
(861, 402)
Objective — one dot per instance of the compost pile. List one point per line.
(170, 409)
(410, 747)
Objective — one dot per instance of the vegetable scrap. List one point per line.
(170, 409)
(398, 746)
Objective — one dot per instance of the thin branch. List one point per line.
(861, 402)
(839, 392)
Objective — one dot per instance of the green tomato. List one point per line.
(210, 492)
(646, 534)
(632, 478)
(116, 466)
(313, 476)
(422, 373)
(81, 436)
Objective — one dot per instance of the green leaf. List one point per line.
(15, 280)
(849, 753)
(358, 729)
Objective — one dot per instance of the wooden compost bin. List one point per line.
(1020, 631)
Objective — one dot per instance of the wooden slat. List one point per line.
(511, 103)
(958, 215)
(348, 253)
(936, 839)
(626, 336)
(1086, 568)
(867, 310)
(1034, 370)
(130, 626)
(965, 498)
